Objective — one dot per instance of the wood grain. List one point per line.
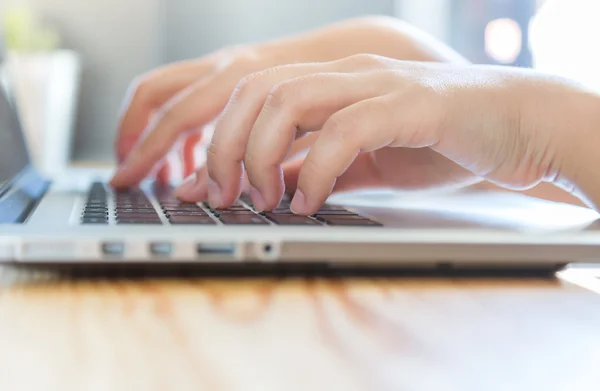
(297, 334)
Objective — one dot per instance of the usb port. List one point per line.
(113, 249)
(161, 249)
(215, 248)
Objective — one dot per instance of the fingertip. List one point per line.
(298, 205)
(310, 195)
(118, 181)
(119, 178)
(215, 198)
(192, 192)
(257, 199)
(127, 174)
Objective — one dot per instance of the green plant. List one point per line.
(23, 31)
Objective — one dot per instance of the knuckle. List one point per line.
(141, 88)
(247, 85)
(286, 95)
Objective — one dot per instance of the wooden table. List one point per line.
(299, 334)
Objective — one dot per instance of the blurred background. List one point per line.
(116, 40)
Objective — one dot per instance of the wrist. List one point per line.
(578, 128)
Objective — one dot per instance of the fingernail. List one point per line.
(298, 205)
(214, 194)
(257, 199)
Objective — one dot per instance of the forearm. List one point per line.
(384, 36)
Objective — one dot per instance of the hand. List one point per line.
(381, 123)
(186, 96)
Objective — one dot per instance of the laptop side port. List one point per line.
(215, 249)
(113, 249)
(161, 249)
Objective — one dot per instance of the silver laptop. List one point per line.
(78, 219)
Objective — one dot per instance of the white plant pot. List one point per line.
(45, 87)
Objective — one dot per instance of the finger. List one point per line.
(302, 103)
(194, 188)
(189, 109)
(228, 148)
(151, 93)
(362, 174)
(190, 189)
(228, 145)
(301, 146)
(365, 126)
(164, 173)
(189, 153)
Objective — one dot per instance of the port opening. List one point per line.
(161, 249)
(215, 248)
(113, 249)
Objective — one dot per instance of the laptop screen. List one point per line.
(13, 152)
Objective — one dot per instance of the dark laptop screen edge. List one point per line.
(20, 197)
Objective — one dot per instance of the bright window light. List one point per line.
(503, 40)
(563, 38)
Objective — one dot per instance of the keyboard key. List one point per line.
(353, 222)
(95, 210)
(181, 207)
(95, 201)
(244, 197)
(134, 206)
(331, 208)
(94, 220)
(132, 210)
(242, 219)
(200, 220)
(292, 220)
(335, 212)
(135, 210)
(95, 206)
(133, 216)
(234, 212)
(282, 212)
(342, 217)
(198, 212)
(95, 215)
(139, 222)
(235, 208)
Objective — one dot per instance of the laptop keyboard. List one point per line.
(95, 210)
(134, 206)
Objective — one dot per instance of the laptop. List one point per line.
(77, 219)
